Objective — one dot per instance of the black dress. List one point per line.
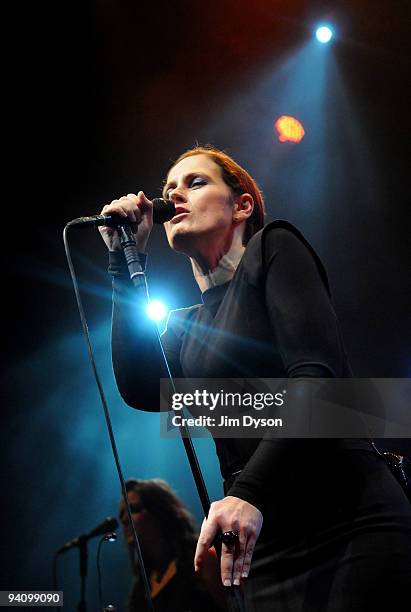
(337, 526)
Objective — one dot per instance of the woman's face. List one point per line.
(146, 526)
(204, 204)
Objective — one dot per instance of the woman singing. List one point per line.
(322, 524)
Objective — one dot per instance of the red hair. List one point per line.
(238, 180)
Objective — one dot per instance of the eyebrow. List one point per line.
(186, 179)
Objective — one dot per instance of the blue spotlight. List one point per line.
(156, 311)
(324, 33)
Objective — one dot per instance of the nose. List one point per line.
(177, 196)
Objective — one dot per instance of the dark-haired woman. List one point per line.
(167, 536)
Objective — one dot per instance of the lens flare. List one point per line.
(156, 310)
(289, 129)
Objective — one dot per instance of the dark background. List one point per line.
(101, 97)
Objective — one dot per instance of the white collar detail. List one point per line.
(224, 271)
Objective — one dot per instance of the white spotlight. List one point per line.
(156, 310)
(324, 34)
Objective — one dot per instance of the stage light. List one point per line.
(324, 34)
(156, 311)
(289, 129)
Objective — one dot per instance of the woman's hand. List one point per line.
(230, 514)
(139, 211)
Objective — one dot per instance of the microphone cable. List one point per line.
(107, 417)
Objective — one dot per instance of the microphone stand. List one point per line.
(127, 241)
(138, 279)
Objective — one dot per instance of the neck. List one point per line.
(154, 560)
(218, 268)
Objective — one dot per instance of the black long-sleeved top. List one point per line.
(274, 319)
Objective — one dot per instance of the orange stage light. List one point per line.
(289, 129)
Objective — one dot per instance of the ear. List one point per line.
(243, 207)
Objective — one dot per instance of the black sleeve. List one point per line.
(137, 355)
(305, 328)
(301, 314)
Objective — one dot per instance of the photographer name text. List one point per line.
(224, 421)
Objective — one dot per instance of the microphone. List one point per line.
(109, 524)
(163, 210)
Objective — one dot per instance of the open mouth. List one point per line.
(180, 214)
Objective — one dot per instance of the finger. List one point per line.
(228, 553)
(248, 555)
(128, 203)
(144, 203)
(205, 540)
(143, 197)
(114, 207)
(135, 213)
(241, 548)
(124, 210)
(107, 210)
(140, 204)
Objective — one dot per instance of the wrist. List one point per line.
(117, 263)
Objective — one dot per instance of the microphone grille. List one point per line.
(163, 210)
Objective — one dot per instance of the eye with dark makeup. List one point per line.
(197, 181)
(191, 182)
